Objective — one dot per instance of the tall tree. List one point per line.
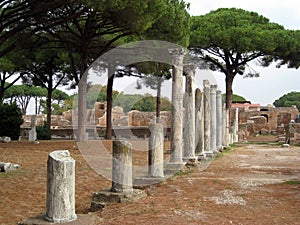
(100, 26)
(46, 68)
(173, 26)
(227, 39)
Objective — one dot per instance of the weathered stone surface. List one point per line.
(199, 123)
(156, 151)
(7, 166)
(189, 125)
(219, 110)
(60, 204)
(177, 103)
(206, 103)
(122, 167)
(213, 118)
(5, 139)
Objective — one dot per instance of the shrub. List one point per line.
(10, 120)
(43, 132)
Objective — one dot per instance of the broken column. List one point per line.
(177, 105)
(199, 123)
(32, 132)
(122, 167)
(219, 120)
(206, 104)
(122, 183)
(213, 118)
(156, 151)
(189, 125)
(60, 204)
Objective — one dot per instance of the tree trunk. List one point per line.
(82, 89)
(48, 105)
(158, 101)
(229, 81)
(109, 92)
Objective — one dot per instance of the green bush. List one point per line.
(43, 132)
(10, 120)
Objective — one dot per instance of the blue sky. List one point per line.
(272, 82)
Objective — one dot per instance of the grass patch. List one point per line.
(292, 182)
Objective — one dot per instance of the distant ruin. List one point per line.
(264, 120)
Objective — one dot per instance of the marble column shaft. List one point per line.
(219, 120)
(199, 122)
(122, 167)
(60, 202)
(213, 118)
(206, 103)
(177, 106)
(189, 125)
(156, 151)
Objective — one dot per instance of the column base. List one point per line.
(190, 159)
(209, 153)
(141, 182)
(90, 219)
(172, 168)
(105, 197)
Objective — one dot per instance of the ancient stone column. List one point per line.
(206, 103)
(177, 105)
(60, 205)
(219, 120)
(189, 125)
(122, 167)
(199, 123)
(225, 130)
(236, 126)
(32, 132)
(213, 118)
(156, 150)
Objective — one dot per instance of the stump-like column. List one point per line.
(206, 103)
(199, 123)
(189, 125)
(177, 105)
(60, 205)
(122, 167)
(219, 120)
(156, 151)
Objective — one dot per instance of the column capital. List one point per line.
(213, 88)
(189, 69)
(178, 52)
(206, 84)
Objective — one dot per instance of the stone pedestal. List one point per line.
(60, 205)
(189, 125)
(219, 111)
(177, 106)
(122, 167)
(156, 151)
(199, 124)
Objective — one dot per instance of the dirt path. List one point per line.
(247, 185)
